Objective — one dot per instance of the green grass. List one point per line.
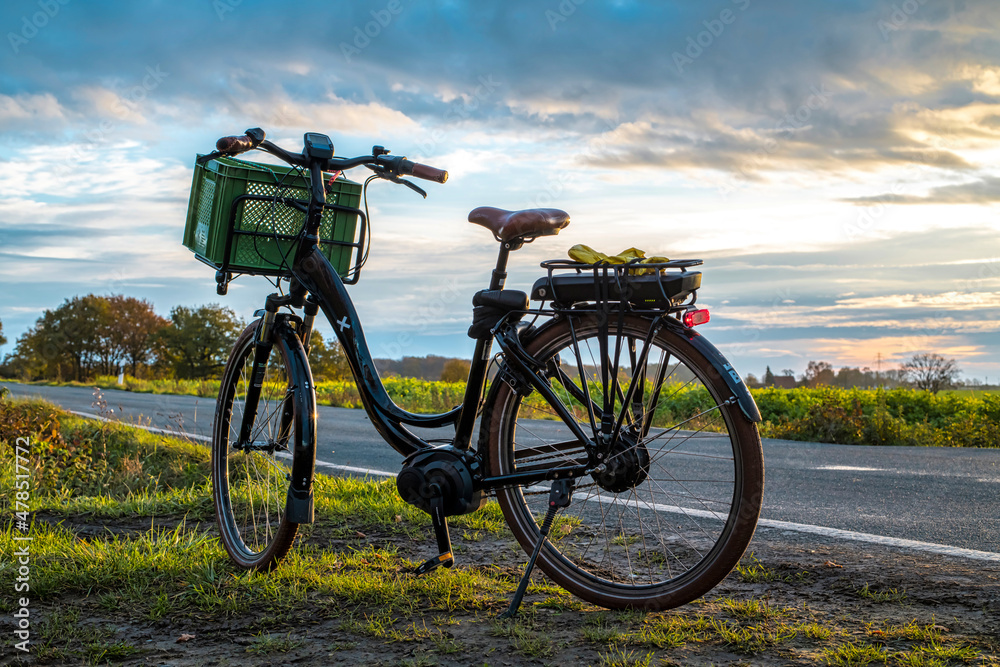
(264, 644)
(752, 611)
(523, 637)
(752, 639)
(162, 565)
(856, 654)
(881, 417)
(622, 658)
(751, 571)
(888, 595)
(117, 471)
(64, 635)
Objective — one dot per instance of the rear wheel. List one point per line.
(676, 503)
(250, 479)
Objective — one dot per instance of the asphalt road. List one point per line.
(939, 495)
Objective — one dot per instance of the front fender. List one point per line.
(299, 503)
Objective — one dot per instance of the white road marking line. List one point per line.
(204, 438)
(824, 531)
(335, 466)
(152, 429)
(831, 532)
(849, 468)
(898, 542)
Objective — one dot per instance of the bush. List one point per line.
(880, 417)
(83, 457)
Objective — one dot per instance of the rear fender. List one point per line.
(725, 369)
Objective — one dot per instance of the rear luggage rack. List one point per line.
(656, 284)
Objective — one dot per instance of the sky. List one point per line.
(833, 163)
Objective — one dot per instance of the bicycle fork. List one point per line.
(261, 354)
(297, 428)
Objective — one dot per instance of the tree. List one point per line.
(327, 359)
(35, 357)
(86, 335)
(455, 370)
(854, 377)
(818, 373)
(768, 377)
(3, 339)
(931, 372)
(131, 329)
(198, 340)
(70, 333)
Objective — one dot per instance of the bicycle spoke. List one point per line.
(662, 500)
(249, 481)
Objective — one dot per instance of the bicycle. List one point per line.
(603, 405)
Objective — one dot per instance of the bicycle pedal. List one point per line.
(443, 560)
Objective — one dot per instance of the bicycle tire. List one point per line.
(249, 487)
(637, 535)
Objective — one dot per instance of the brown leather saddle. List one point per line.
(525, 225)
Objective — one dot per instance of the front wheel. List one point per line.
(250, 475)
(675, 504)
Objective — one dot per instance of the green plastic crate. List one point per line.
(263, 232)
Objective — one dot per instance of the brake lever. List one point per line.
(382, 173)
(210, 156)
(413, 186)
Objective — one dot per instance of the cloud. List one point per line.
(814, 137)
(277, 109)
(807, 100)
(985, 190)
(784, 87)
(28, 108)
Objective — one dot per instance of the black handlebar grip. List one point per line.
(424, 171)
(241, 144)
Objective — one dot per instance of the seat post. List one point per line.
(500, 272)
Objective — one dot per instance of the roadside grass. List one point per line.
(751, 571)
(264, 644)
(851, 654)
(888, 595)
(956, 418)
(157, 563)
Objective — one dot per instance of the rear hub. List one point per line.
(626, 466)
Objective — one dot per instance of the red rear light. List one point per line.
(693, 318)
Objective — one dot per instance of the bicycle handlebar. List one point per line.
(236, 145)
(423, 171)
(388, 166)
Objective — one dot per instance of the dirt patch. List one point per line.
(797, 600)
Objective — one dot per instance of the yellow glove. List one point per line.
(587, 255)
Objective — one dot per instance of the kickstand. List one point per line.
(559, 497)
(444, 557)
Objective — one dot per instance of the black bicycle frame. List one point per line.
(315, 273)
(312, 273)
